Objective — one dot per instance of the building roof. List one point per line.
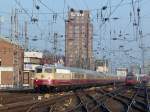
(6, 39)
(33, 54)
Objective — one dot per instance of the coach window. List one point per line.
(48, 70)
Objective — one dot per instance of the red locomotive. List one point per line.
(131, 79)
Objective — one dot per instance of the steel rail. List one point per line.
(103, 99)
(105, 108)
(132, 100)
(83, 105)
(147, 99)
(93, 100)
(48, 102)
(122, 98)
(86, 105)
(98, 102)
(28, 106)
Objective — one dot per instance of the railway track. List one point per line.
(90, 103)
(132, 102)
(98, 99)
(147, 99)
(8, 98)
(31, 105)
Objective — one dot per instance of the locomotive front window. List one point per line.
(39, 70)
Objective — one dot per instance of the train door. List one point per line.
(0, 77)
(0, 70)
(26, 79)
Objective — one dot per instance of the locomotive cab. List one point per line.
(43, 76)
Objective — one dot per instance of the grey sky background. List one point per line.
(120, 52)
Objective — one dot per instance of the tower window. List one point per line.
(0, 62)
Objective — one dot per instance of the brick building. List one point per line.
(102, 65)
(11, 63)
(79, 41)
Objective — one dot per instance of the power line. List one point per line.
(111, 13)
(51, 9)
(19, 4)
(60, 13)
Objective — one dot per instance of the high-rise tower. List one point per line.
(79, 40)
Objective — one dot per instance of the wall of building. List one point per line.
(147, 66)
(121, 71)
(11, 68)
(101, 65)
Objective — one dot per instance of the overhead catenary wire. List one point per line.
(61, 13)
(112, 6)
(30, 16)
(50, 9)
(42, 31)
(113, 11)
